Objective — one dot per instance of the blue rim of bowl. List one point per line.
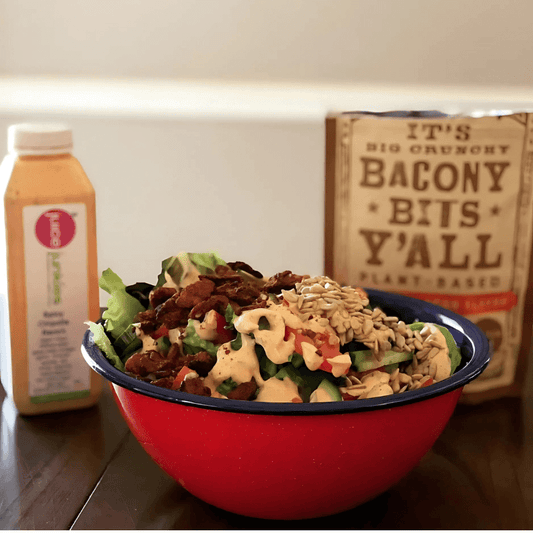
(474, 345)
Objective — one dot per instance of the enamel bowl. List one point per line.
(295, 461)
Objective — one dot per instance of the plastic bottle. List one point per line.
(51, 287)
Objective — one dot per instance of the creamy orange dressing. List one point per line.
(207, 329)
(340, 364)
(175, 335)
(272, 339)
(311, 359)
(147, 341)
(240, 365)
(279, 390)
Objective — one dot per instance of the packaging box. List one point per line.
(440, 208)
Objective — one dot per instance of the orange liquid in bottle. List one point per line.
(52, 282)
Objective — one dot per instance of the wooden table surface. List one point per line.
(84, 470)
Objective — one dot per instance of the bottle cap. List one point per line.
(39, 139)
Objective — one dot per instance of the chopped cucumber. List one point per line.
(230, 316)
(326, 392)
(391, 368)
(364, 360)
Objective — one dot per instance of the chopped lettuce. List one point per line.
(291, 373)
(165, 264)
(296, 360)
(230, 316)
(192, 343)
(206, 263)
(141, 291)
(236, 343)
(121, 311)
(268, 368)
(227, 386)
(102, 341)
(179, 266)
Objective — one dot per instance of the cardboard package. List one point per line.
(440, 208)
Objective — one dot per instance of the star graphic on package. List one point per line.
(495, 210)
(373, 207)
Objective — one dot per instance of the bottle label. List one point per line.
(55, 249)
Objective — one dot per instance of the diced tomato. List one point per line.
(427, 383)
(321, 341)
(180, 377)
(328, 350)
(160, 332)
(224, 335)
(325, 366)
(346, 396)
(299, 338)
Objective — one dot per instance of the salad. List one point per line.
(224, 330)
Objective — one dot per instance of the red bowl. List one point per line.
(295, 461)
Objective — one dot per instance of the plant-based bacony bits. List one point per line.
(224, 330)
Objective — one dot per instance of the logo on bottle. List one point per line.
(55, 228)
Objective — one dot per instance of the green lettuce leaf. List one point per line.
(165, 265)
(206, 263)
(102, 341)
(192, 343)
(230, 316)
(121, 309)
(179, 265)
(141, 291)
(227, 386)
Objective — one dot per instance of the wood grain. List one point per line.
(52, 463)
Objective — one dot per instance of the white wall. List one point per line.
(200, 122)
(392, 41)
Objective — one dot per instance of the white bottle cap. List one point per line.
(39, 139)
